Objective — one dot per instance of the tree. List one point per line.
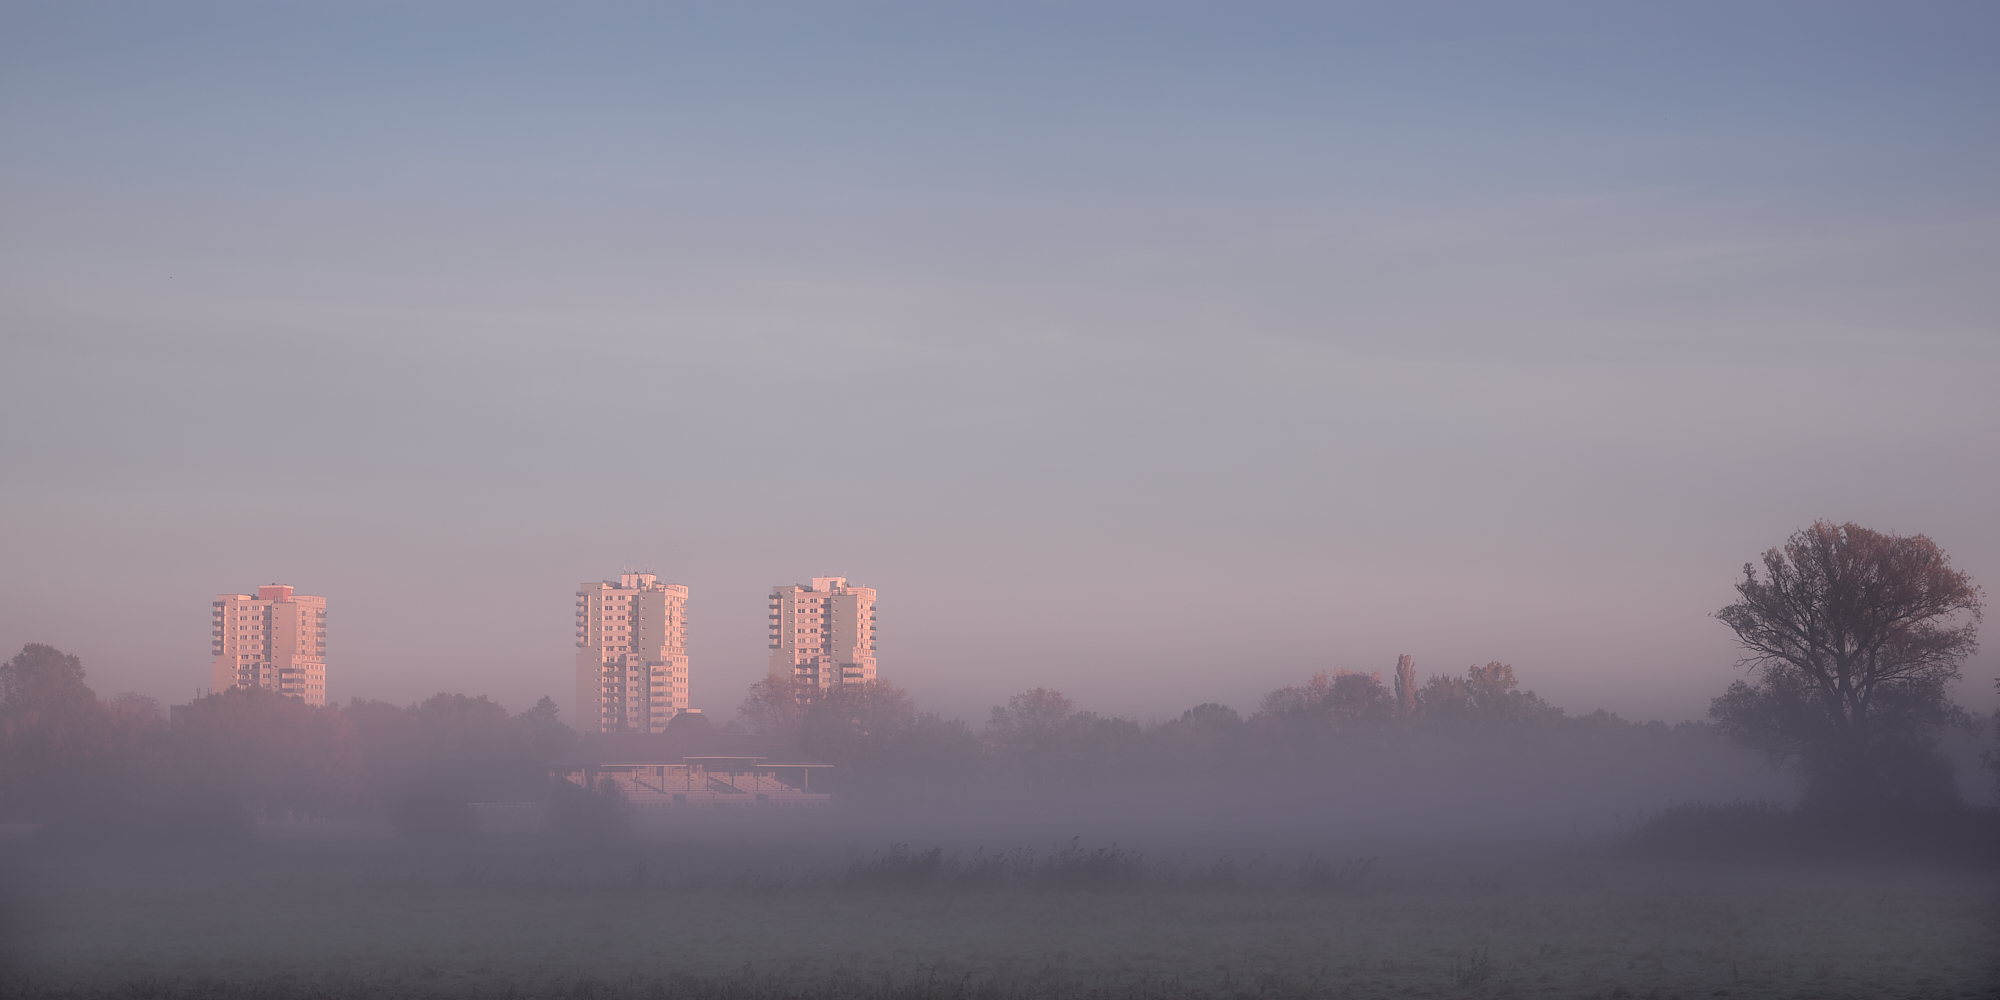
(855, 721)
(1854, 636)
(1992, 757)
(540, 734)
(1040, 735)
(772, 707)
(1294, 699)
(426, 763)
(1031, 723)
(50, 725)
(1487, 696)
(1342, 704)
(268, 754)
(875, 737)
(43, 679)
(1198, 741)
(883, 749)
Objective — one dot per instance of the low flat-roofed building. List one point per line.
(696, 769)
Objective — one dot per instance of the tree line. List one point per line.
(1851, 641)
(1851, 637)
(225, 761)
(884, 745)
(89, 766)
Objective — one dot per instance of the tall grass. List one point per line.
(1072, 867)
(1763, 831)
(922, 984)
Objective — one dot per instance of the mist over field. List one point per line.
(1358, 499)
(1458, 838)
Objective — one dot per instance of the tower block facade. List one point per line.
(822, 636)
(275, 640)
(631, 657)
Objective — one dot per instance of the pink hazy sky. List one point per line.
(1161, 355)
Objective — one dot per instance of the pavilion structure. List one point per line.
(697, 770)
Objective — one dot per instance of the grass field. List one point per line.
(318, 912)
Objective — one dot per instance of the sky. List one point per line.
(1159, 353)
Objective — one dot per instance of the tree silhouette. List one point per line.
(270, 753)
(772, 707)
(1032, 723)
(1854, 636)
(47, 721)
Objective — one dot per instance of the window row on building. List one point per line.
(274, 639)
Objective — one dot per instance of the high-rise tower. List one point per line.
(631, 657)
(275, 640)
(822, 636)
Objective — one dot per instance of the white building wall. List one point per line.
(822, 635)
(631, 658)
(275, 640)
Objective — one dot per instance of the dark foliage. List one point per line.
(1992, 757)
(880, 744)
(1323, 876)
(58, 738)
(42, 680)
(1073, 867)
(1699, 830)
(1854, 636)
(269, 753)
(91, 769)
(433, 816)
(590, 816)
(899, 868)
(1465, 736)
(1467, 743)
(1101, 869)
(1763, 832)
(772, 706)
(426, 763)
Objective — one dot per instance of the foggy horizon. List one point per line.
(1259, 441)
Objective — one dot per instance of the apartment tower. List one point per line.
(631, 657)
(822, 636)
(275, 640)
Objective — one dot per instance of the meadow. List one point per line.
(723, 906)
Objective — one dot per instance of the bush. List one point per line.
(1319, 875)
(1763, 831)
(589, 814)
(900, 868)
(1105, 869)
(1701, 830)
(434, 817)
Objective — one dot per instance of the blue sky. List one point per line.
(1161, 353)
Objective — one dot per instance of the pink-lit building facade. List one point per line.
(631, 657)
(275, 639)
(822, 636)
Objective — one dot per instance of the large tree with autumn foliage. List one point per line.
(1854, 637)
